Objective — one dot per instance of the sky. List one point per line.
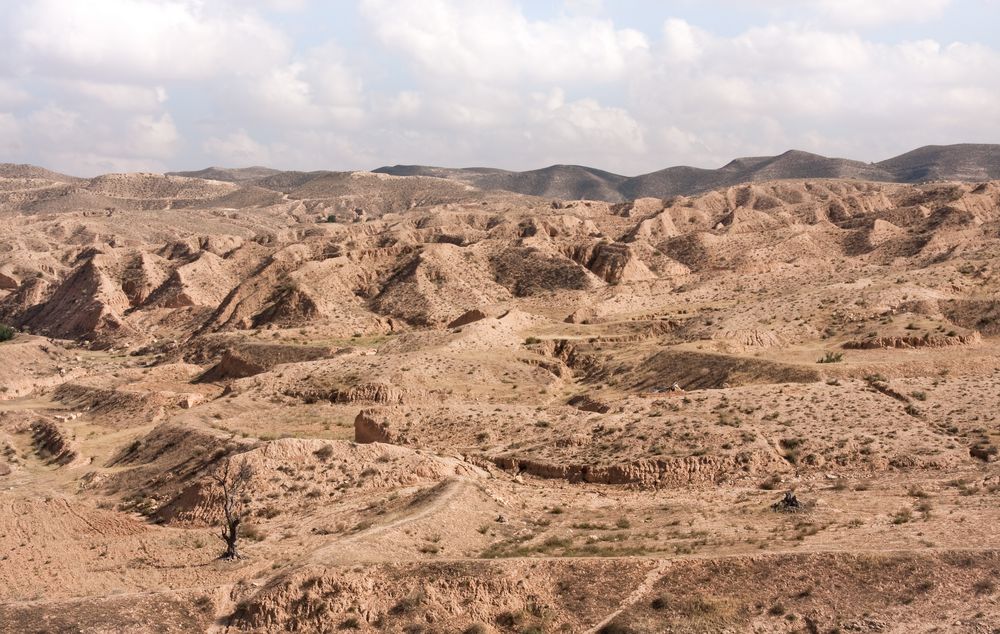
(629, 86)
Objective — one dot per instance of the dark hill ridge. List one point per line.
(966, 162)
(230, 174)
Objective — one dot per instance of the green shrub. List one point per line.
(832, 357)
(6, 332)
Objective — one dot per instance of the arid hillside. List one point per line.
(768, 406)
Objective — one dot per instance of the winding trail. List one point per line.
(451, 489)
(225, 608)
(640, 591)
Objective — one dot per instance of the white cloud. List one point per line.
(682, 42)
(584, 7)
(790, 85)
(10, 134)
(84, 86)
(237, 149)
(493, 41)
(584, 124)
(286, 5)
(143, 40)
(151, 136)
(119, 96)
(317, 89)
(84, 144)
(55, 124)
(862, 14)
(12, 94)
(867, 13)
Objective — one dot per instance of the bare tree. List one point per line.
(232, 478)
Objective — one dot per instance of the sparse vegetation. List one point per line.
(902, 516)
(664, 443)
(6, 333)
(983, 450)
(233, 478)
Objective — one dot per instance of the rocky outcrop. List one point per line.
(251, 359)
(369, 392)
(51, 442)
(586, 403)
(582, 315)
(232, 366)
(750, 337)
(696, 370)
(377, 425)
(204, 281)
(883, 231)
(914, 341)
(114, 407)
(613, 262)
(653, 473)
(982, 315)
(581, 363)
(290, 307)
(88, 303)
(448, 594)
(381, 393)
(467, 317)
(8, 281)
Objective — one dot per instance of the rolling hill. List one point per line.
(965, 162)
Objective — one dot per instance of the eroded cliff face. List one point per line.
(52, 443)
(915, 341)
(378, 425)
(655, 473)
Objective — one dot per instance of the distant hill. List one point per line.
(965, 162)
(556, 181)
(230, 175)
(17, 170)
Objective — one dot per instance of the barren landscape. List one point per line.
(471, 408)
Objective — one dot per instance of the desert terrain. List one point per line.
(468, 408)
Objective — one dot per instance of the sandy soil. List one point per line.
(473, 411)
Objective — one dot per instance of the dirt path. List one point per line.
(453, 488)
(225, 606)
(641, 590)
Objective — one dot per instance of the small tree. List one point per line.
(232, 478)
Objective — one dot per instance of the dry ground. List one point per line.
(482, 412)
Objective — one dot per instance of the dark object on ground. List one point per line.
(788, 504)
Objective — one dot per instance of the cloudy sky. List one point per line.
(625, 85)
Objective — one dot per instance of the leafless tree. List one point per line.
(232, 477)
